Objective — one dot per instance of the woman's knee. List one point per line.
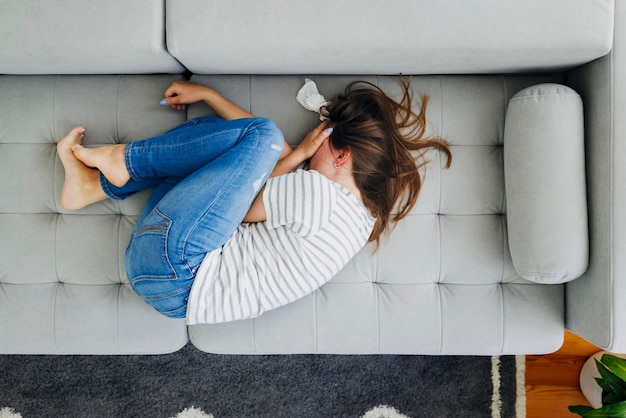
(270, 133)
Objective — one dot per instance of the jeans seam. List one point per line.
(166, 242)
(107, 190)
(128, 162)
(167, 295)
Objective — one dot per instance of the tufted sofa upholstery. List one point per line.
(443, 283)
(64, 288)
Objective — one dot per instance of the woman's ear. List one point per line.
(343, 156)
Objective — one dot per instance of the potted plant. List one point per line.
(612, 382)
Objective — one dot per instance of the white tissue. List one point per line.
(310, 98)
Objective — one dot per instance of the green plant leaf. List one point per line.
(615, 364)
(617, 410)
(611, 382)
(605, 386)
(579, 409)
(609, 398)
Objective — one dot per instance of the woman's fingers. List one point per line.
(174, 88)
(315, 139)
(176, 95)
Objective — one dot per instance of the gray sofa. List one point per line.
(479, 268)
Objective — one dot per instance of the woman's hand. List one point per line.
(313, 141)
(181, 93)
(307, 148)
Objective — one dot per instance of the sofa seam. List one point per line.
(439, 284)
(54, 316)
(611, 200)
(377, 291)
(505, 92)
(548, 274)
(504, 108)
(505, 235)
(502, 321)
(441, 106)
(55, 141)
(121, 267)
(117, 109)
(56, 247)
(117, 319)
(439, 290)
(253, 331)
(376, 282)
(535, 96)
(58, 283)
(250, 93)
(55, 193)
(505, 103)
(439, 268)
(54, 100)
(315, 331)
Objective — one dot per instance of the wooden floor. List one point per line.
(552, 380)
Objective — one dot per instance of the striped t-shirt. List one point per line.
(314, 227)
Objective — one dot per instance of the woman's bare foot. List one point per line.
(82, 184)
(109, 159)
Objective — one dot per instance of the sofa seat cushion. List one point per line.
(412, 37)
(63, 288)
(84, 37)
(443, 283)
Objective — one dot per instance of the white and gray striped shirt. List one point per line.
(314, 227)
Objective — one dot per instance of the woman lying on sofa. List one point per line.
(217, 241)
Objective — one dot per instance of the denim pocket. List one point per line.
(149, 270)
(147, 258)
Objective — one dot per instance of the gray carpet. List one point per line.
(252, 386)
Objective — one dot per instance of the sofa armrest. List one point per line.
(595, 307)
(544, 170)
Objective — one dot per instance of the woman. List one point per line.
(218, 241)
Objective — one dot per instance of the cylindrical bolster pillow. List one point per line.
(544, 170)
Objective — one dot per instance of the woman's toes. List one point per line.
(73, 137)
(108, 159)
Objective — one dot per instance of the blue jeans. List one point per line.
(206, 174)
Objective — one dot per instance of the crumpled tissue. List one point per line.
(310, 98)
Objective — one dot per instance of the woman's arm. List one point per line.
(291, 159)
(181, 93)
(288, 162)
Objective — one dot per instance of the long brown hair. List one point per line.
(387, 143)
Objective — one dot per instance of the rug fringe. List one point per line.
(7, 412)
(384, 411)
(193, 412)
(520, 386)
(496, 401)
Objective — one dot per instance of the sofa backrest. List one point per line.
(287, 37)
(376, 37)
(84, 37)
